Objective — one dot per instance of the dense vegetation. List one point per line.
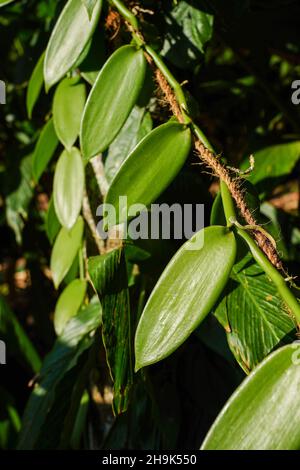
(138, 344)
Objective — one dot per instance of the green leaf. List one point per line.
(35, 85)
(255, 320)
(5, 2)
(68, 105)
(188, 30)
(125, 142)
(109, 277)
(263, 413)
(68, 304)
(17, 201)
(70, 35)
(185, 293)
(111, 99)
(64, 250)
(44, 149)
(16, 339)
(90, 5)
(151, 166)
(68, 187)
(273, 162)
(53, 225)
(56, 381)
(10, 422)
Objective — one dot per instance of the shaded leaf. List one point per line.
(68, 39)
(64, 250)
(44, 149)
(68, 187)
(109, 277)
(263, 413)
(185, 293)
(68, 104)
(35, 85)
(68, 304)
(111, 99)
(53, 225)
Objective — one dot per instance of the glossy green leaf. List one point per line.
(68, 187)
(35, 85)
(185, 293)
(44, 149)
(253, 315)
(109, 277)
(68, 105)
(18, 343)
(64, 250)
(263, 413)
(70, 35)
(68, 304)
(53, 225)
(90, 5)
(150, 168)
(112, 98)
(49, 402)
(125, 141)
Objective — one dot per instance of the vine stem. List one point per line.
(283, 289)
(229, 188)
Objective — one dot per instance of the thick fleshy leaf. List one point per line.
(68, 105)
(35, 85)
(53, 225)
(44, 149)
(253, 315)
(68, 304)
(150, 168)
(263, 413)
(90, 5)
(68, 187)
(64, 250)
(185, 293)
(51, 398)
(137, 126)
(5, 2)
(112, 98)
(109, 277)
(71, 34)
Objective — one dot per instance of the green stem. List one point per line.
(273, 274)
(81, 263)
(126, 13)
(228, 203)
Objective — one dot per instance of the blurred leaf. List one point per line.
(68, 104)
(68, 187)
(64, 250)
(188, 30)
(68, 39)
(16, 339)
(256, 322)
(52, 223)
(17, 202)
(109, 277)
(44, 149)
(185, 293)
(263, 413)
(45, 398)
(35, 85)
(10, 422)
(68, 304)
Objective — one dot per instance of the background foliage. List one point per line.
(239, 59)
